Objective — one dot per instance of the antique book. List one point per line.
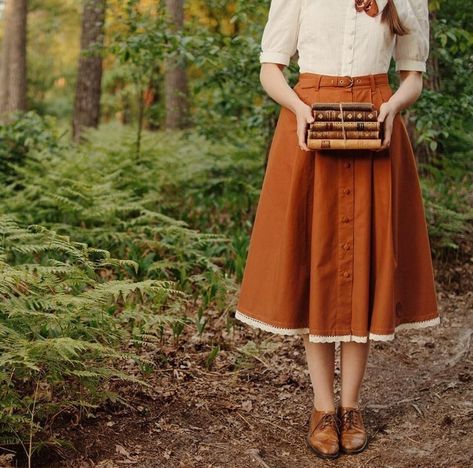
(348, 115)
(349, 105)
(344, 125)
(327, 135)
(334, 125)
(352, 111)
(338, 143)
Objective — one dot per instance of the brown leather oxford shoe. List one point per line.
(353, 437)
(323, 433)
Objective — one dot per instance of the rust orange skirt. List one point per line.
(339, 247)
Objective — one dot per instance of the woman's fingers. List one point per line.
(386, 116)
(301, 133)
(388, 128)
(303, 121)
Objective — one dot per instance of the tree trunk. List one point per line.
(13, 66)
(89, 76)
(175, 78)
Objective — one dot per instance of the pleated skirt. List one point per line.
(339, 247)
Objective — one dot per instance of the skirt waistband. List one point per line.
(316, 80)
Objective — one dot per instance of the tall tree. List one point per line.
(89, 76)
(13, 65)
(175, 78)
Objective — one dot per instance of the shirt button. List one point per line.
(346, 246)
(346, 274)
(347, 164)
(346, 191)
(345, 219)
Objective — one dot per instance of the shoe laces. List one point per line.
(329, 419)
(351, 418)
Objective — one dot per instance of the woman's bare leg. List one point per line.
(353, 360)
(321, 363)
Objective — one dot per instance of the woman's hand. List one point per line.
(304, 116)
(407, 93)
(275, 84)
(387, 112)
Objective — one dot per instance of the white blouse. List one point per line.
(332, 38)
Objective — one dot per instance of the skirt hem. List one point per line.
(334, 338)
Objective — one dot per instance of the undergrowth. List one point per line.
(104, 253)
(62, 327)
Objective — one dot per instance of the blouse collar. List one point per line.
(381, 4)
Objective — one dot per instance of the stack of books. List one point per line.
(345, 125)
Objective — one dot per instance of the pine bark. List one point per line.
(175, 78)
(13, 65)
(89, 76)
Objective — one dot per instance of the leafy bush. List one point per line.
(24, 135)
(448, 194)
(62, 326)
(100, 194)
(70, 312)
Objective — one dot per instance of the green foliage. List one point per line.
(448, 193)
(25, 135)
(106, 199)
(72, 313)
(439, 111)
(61, 326)
(100, 190)
(442, 118)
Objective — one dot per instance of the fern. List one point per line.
(62, 326)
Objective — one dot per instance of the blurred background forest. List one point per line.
(133, 144)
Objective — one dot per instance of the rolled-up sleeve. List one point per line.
(412, 50)
(280, 34)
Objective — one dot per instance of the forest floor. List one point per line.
(251, 408)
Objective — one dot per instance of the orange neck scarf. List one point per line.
(369, 6)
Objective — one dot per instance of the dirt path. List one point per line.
(253, 411)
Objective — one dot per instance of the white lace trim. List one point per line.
(271, 328)
(333, 338)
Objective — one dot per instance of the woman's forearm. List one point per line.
(409, 90)
(275, 84)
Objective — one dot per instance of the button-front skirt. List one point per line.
(339, 247)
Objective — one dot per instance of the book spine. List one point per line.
(335, 125)
(343, 144)
(347, 115)
(338, 134)
(346, 105)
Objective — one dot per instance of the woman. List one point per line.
(339, 251)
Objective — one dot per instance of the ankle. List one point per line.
(349, 404)
(321, 407)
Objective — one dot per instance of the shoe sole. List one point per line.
(358, 450)
(320, 454)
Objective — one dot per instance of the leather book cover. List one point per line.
(355, 134)
(349, 105)
(337, 125)
(348, 115)
(351, 143)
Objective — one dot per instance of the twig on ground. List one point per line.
(255, 454)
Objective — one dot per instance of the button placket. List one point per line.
(346, 238)
(348, 48)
